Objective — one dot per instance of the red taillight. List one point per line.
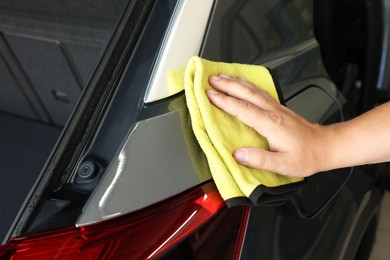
(144, 234)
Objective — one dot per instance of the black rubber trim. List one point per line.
(268, 196)
(238, 201)
(277, 87)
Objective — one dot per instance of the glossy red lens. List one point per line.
(144, 234)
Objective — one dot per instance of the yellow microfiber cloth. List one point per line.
(220, 134)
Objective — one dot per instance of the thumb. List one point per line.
(257, 158)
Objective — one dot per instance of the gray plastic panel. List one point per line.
(153, 164)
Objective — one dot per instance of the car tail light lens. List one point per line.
(144, 234)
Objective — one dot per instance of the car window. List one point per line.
(248, 31)
(120, 110)
(48, 53)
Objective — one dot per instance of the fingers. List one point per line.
(246, 102)
(287, 133)
(260, 159)
(257, 109)
(245, 111)
(242, 89)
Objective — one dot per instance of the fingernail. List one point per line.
(241, 156)
(212, 92)
(214, 77)
(224, 76)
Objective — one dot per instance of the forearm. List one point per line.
(362, 140)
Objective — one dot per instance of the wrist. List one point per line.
(327, 157)
(342, 146)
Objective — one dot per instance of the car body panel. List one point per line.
(154, 156)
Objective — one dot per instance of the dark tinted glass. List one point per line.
(245, 31)
(48, 52)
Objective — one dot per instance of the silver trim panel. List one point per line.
(183, 40)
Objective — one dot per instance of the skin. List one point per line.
(298, 147)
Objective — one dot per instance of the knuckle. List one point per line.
(242, 104)
(253, 91)
(275, 117)
(259, 160)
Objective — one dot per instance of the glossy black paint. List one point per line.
(319, 223)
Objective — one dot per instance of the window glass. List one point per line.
(48, 52)
(245, 31)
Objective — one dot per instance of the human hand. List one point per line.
(297, 146)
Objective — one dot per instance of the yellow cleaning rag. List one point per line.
(220, 134)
